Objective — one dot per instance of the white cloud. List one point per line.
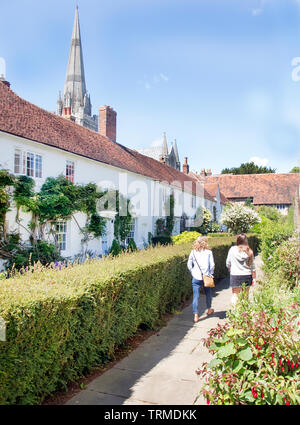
(261, 162)
(156, 143)
(164, 77)
(147, 86)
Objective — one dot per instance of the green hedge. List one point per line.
(61, 323)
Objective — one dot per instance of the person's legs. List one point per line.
(208, 295)
(196, 292)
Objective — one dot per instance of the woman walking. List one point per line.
(201, 262)
(240, 263)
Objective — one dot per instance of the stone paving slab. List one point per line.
(161, 370)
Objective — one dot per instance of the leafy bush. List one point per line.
(269, 212)
(21, 256)
(257, 360)
(62, 323)
(273, 234)
(131, 246)
(203, 216)
(161, 240)
(286, 262)
(238, 218)
(185, 237)
(115, 249)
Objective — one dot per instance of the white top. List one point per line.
(205, 260)
(237, 262)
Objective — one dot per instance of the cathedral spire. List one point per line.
(75, 79)
(165, 146)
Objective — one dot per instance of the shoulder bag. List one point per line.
(208, 280)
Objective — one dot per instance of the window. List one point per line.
(60, 235)
(132, 231)
(38, 166)
(70, 166)
(28, 163)
(18, 162)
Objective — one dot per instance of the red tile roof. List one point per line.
(21, 118)
(263, 188)
(210, 188)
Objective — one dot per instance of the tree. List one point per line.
(248, 168)
(238, 218)
(295, 170)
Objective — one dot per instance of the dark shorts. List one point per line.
(236, 281)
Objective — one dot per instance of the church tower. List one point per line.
(75, 104)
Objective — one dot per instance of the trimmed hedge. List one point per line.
(62, 323)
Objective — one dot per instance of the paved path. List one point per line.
(162, 369)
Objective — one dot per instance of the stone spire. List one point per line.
(176, 154)
(164, 147)
(75, 79)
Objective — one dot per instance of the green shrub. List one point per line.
(115, 249)
(286, 262)
(272, 235)
(132, 246)
(256, 359)
(161, 240)
(62, 323)
(185, 237)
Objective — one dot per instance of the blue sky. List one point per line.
(214, 74)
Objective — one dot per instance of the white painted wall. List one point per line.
(143, 192)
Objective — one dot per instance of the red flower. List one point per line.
(262, 395)
(287, 402)
(207, 402)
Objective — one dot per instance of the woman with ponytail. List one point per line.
(240, 263)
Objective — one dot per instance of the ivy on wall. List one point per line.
(58, 199)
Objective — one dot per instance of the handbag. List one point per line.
(208, 280)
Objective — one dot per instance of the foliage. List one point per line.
(248, 168)
(123, 218)
(6, 181)
(214, 227)
(286, 262)
(164, 226)
(131, 245)
(203, 216)
(295, 170)
(273, 234)
(256, 359)
(21, 255)
(185, 237)
(238, 218)
(218, 235)
(269, 212)
(63, 320)
(161, 240)
(116, 248)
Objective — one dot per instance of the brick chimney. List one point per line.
(108, 122)
(185, 166)
(203, 174)
(208, 172)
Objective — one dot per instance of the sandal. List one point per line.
(210, 311)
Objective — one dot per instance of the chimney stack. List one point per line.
(208, 172)
(108, 122)
(185, 167)
(203, 174)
